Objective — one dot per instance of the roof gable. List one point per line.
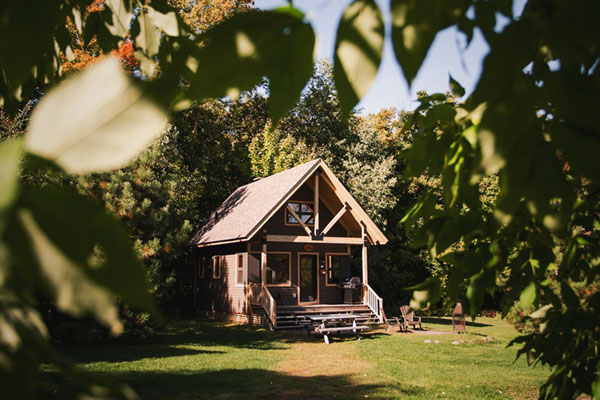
(250, 206)
(247, 208)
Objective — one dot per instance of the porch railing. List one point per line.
(258, 294)
(374, 302)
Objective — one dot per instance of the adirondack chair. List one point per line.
(389, 324)
(409, 318)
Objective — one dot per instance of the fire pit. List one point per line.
(458, 319)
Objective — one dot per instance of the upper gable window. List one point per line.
(304, 211)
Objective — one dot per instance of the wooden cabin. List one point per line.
(277, 249)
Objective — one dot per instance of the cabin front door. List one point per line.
(308, 278)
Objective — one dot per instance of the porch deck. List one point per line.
(287, 316)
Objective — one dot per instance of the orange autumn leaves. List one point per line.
(200, 15)
(84, 54)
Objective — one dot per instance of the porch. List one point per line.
(279, 316)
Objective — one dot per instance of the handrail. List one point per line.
(374, 302)
(259, 294)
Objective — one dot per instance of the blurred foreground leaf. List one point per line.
(249, 46)
(66, 282)
(97, 121)
(358, 48)
(10, 155)
(414, 26)
(77, 227)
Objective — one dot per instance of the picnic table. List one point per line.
(334, 323)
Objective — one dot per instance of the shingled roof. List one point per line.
(249, 207)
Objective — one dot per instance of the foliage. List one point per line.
(201, 15)
(515, 124)
(270, 152)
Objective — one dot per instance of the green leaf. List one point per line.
(474, 294)
(358, 49)
(148, 41)
(541, 312)
(528, 295)
(88, 226)
(414, 26)
(596, 387)
(569, 296)
(579, 147)
(11, 152)
(97, 121)
(30, 30)
(22, 331)
(456, 88)
(122, 16)
(246, 48)
(166, 22)
(71, 290)
(427, 292)
(455, 285)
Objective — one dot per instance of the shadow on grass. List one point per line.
(236, 384)
(448, 321)
(128, 352)
(212, 333)
(173, 339)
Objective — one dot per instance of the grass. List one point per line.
(204, 359)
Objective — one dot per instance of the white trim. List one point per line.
(244, 269)
(201, 266)
(306, 239)
(217, 261)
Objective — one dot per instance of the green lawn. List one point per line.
(197, 360)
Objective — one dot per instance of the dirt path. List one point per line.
(319, 359)
(328, 371)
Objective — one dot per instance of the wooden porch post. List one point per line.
(365, 270)
(316, 206)
(263, 260)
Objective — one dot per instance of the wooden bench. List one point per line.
(325, 331)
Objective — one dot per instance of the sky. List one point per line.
(448, 54)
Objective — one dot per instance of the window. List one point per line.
(333, 269)
(200, 265)
(216, 267)
(239, 270)
(304, 211)
(278, 268)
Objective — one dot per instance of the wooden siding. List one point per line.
(222, 294)
(327, 294)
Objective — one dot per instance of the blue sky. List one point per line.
(447, 55)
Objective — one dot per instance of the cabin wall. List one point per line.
(328, 294)
(220, 293)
